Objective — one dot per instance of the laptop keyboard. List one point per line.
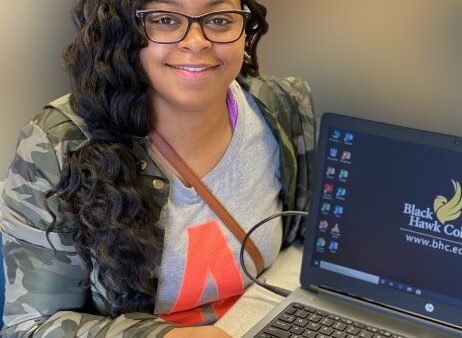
(301, 321)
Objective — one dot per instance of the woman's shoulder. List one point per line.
(264, 85)
(36, 167)
(60, 123)
(278, 93)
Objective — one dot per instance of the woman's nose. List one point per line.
(195, 39)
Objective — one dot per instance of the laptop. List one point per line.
(383, 250)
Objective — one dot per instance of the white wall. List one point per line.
(32, 36)
(398, 61)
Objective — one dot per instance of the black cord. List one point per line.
(277, 290)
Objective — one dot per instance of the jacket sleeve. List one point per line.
(303, 133)
(43, 296)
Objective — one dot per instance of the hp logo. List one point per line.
(429, 307)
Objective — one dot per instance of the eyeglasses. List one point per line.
(169, 27)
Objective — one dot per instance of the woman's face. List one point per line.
(194, 73)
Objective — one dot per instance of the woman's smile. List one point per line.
(197, 71)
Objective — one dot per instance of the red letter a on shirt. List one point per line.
(208, 253)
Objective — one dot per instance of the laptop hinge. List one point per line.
(314, 288)
(361, 300)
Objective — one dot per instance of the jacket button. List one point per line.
(158, 184)
(142, 164)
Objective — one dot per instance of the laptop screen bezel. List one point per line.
(314, 276)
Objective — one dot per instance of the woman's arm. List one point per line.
(197, 332)
(42, 285)
(43, 297)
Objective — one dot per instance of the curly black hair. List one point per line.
(99, 193)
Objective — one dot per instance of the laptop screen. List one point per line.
(386, 215)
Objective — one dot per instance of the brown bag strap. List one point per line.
(186, 172)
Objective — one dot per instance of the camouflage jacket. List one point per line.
(43, 297)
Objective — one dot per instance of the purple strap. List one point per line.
(232, 108)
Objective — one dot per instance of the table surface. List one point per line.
(256, 302)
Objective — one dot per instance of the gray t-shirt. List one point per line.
(200, 275)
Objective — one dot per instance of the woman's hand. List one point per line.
(199, 332)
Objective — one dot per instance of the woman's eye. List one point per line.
(167, 21)
(218, 21)
(163, 20)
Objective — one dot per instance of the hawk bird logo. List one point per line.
(449, 210)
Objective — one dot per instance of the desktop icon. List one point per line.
(330, 172)
(325, 207)
(328, 188)
(335, 231)
(333, 246)
(341, 192)
(343, 175)
(333, 152)
(348, 139)
(321, 242)
(346, 156)
(338, 210)
(336, 134)
(323, 225)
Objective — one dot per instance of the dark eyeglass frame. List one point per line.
(142, 14)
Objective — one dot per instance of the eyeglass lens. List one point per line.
(172, 27)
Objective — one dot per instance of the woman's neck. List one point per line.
(191, 126)
(200, 136)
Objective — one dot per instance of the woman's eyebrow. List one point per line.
(170, 2)
(177, 3)
(215, 3)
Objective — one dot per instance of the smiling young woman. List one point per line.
(190, 78)
(102, 236)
